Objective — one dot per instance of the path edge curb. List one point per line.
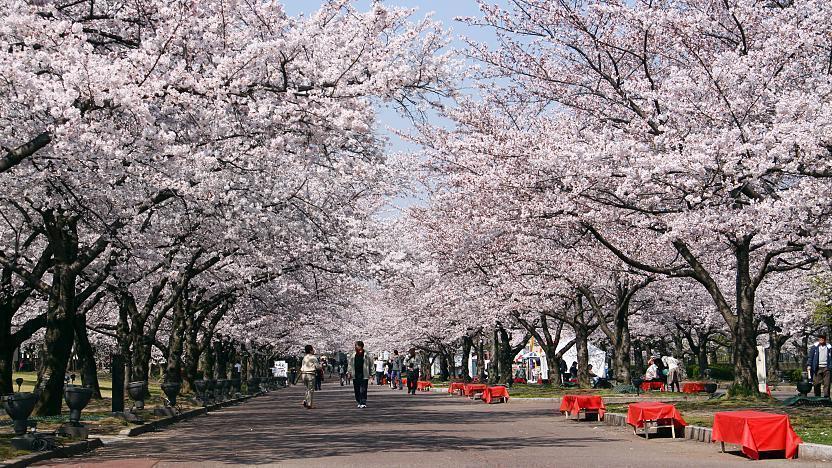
(65, 451)
(806, 451)
(185, 415)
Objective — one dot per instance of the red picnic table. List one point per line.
(456, 387)
(472, 388)
(756, 432)
(574, 404)
(492, 393)
(423, 385)
(647, 386)
(656, 414)
(693, 387)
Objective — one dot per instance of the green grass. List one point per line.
(104, 382)
(6, 450)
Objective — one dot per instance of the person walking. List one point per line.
(412, 366)
(396, 370)
(819, 365)
(673, 373)
(360, 369)
(309, 370)
(379, 363)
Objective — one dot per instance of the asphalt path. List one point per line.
(396, 429)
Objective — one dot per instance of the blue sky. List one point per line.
(443, 11)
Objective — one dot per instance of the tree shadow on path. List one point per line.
(276, 428)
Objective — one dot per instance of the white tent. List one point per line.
(597, 358)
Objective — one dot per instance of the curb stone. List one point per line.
(164, 422)
(806, 451)
(816, 452)
(68, 450)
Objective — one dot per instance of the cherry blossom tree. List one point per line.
(685, 124)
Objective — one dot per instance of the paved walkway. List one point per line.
(425, 430)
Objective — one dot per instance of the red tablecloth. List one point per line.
(575, 403)
(492, 393)
(637, 413)
(519, 380)
(756, 431)
(469, 389)
(647, 386)
(423, 385)
(456, 387)
(693, 387)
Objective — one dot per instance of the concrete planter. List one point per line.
(19, 406)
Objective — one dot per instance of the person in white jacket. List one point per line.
(308, 370)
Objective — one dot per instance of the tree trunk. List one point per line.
(773, 357)
(221, 350)
(621, 361)
(86, 356)
(7, 348)
(176, 345)
(505, 355)
(58, 340)
(426, 365)
(638, 359)
(466, 358)
(802, 352)
(443, 366)
(581, 337)
(496, 367)
(744, 332)
(621, 351)
(207, 355)
(702, 356)
(481, 360)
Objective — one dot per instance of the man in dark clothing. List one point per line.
(360, 368)
(396, 369)
(563, 368)
(819, 365)
(411, 363)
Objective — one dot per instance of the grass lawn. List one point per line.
(96, 416)
(812, 424)
(6, 450)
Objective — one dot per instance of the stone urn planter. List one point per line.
(237, 384)
(212, 389)
(253, 385)
(201, 387)
(804, 387)
(19, 406)
(77, 398)
(137, 391)
(171, 390)
(220, 389)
